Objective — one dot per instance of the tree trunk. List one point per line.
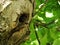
(15, 16)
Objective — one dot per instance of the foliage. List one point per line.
(45, 24)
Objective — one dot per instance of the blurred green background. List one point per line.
(45, 24)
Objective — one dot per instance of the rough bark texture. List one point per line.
(14, 21)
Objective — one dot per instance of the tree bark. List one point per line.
(15, 16)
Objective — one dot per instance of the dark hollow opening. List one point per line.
(23, 18)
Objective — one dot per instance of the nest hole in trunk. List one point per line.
(24, 18)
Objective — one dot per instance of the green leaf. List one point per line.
(44, 40)
(56, 42)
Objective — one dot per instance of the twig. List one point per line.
(41, 7)
(44, 24)
(37, 37)
(41, 22)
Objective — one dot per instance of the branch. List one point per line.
(37, 37)
(39, 9)
(44, 24)
(41, 6)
